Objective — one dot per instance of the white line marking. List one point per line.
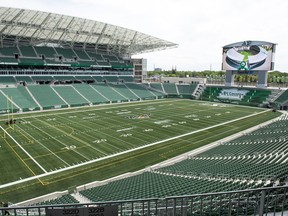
(24, 150)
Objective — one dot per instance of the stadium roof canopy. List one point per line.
(30, 27)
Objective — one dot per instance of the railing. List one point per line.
(262, 201)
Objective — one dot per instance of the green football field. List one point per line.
(48, 151)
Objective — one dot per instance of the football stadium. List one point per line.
(83, 133)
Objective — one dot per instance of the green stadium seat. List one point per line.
(71, 95)
(31, 61)
(157, 86)
(9, 51)
(21, 97)
(26, 79)
(126, 78)
(7, 80)
(95, 56)
(109, 93)
(283, 97)
(27, 51)
(185, 89)
(48, 52)
(8, 60)
(46, 96)
(82, 54)
(170, 88)
(112, 79)
(141, 91)
(123, 90)
(42, 78)
(89, 92)
(64, 78)
(254, 97)
(65, 199)
(66, 52)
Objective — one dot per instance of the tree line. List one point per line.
(273, 76)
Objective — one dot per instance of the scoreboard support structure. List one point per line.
(261, 82)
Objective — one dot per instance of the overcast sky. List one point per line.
(200, 27)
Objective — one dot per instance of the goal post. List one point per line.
(10, 113)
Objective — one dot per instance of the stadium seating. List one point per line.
(66, 53)
(82, 54)
(253, 156)
(53, 62)
(8, 60)
(97, 57)
(170, 88)
(283, 97)
(64, 95)
(9, 51)
(109, 93)
(71, 96)
(98, 78)
(27, 51)
(186, 89)
(5, 104)
(110, 58)
(21, 97)
(157, 86)
(65, 199)
(254, 97)
(126, 78)
(84, 78)
(174, 90)
(104, 64)
(89, 92)
(152, 185)
(48, 52)
(64, 78)
(7, 80)
(123, 90)
(31, 61)
(118, 65)
(211, 93)
(86, 63)
(26, 79)
(42, 78)
(113, 79)
(159, 94)
(141, 91)
(46, 96)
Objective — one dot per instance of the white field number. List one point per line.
(69, 147)
(99, 141)
(126, 135)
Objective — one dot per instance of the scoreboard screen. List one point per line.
(248, 56)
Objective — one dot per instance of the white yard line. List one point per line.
(74, 137)
(124, 152)
(24, 150)
(53, 153)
